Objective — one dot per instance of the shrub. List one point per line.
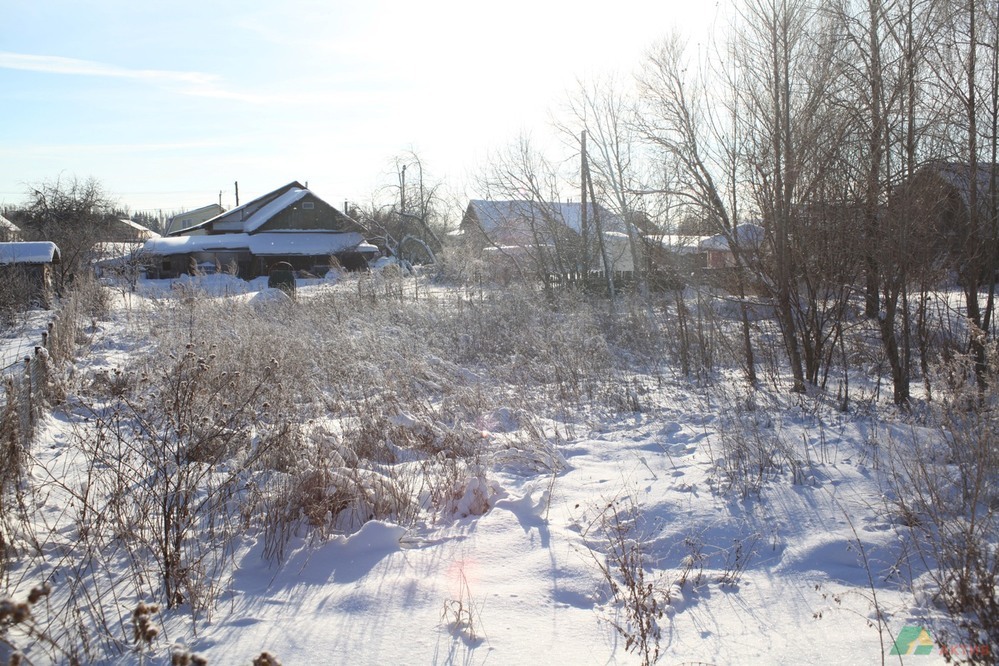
(946, 492)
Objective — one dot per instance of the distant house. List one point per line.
(121, 241)
(192, 218)
(748, 236)
(528, 222)
(549, 233)
(30, 262)
(936, 205)
(681, 252)
(122, 230)
(9, 231)
(290, 224)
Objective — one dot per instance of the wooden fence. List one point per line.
(595, 282)
(28, 388)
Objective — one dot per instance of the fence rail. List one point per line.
(596, 282)
(28, 387)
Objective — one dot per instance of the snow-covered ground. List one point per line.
(21, 339)
(802, 565)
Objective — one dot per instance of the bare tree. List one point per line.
(522, 174)
(73, 214)
(792, 138)
(967, 81)
(701, 144)
(409, 216)
(607, 118)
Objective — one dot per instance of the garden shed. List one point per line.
(27, 266)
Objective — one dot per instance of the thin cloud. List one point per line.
(195, 84)
(75, 66)
(54, 150)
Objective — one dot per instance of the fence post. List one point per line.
(29, 406)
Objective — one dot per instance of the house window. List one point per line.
(308, 205)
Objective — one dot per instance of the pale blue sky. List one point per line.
(169, 103)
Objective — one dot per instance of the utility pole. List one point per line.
(237, 193)
(588, 183)
(583, 221)
(402, 190)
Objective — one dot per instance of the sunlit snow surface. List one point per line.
(518, 580)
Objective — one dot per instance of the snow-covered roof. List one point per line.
(115, 249)
(144, 233)
(253, 216)
(35, 252)
(959, 175)
(498, 214)
(747, 235)
(264, 215)
(203, 210)
(141, 232)
(244, 218)
(8, 226)
(192, 218)
(263, 244)
(680, 243)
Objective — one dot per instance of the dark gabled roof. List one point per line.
(241, 212)
(251, 217)
(249, 209)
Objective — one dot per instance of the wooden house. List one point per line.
(951, 209)
(192, 218)
(290, 224)
(547, 234)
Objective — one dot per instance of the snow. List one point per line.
(264, 215)
(8, 226)
(22, 340)
(679, 243)
(509, 571)
(33, 252)
(262, 244)
(520, 215)
(748, 235)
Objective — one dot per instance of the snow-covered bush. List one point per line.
(472, 495)
(324, 486)
(180, 441)
(945, 493)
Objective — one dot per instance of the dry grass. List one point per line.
(287, 418)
